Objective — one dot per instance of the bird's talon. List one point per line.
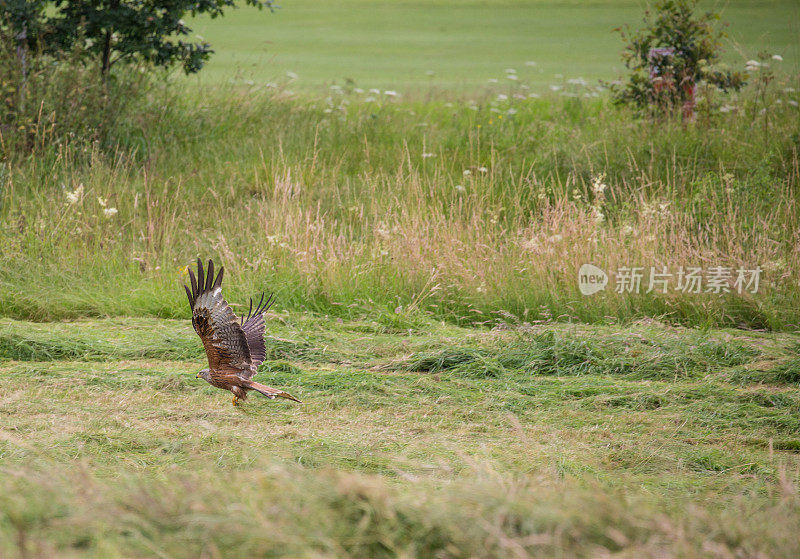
(235, 400)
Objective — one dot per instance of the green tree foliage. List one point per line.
(675, 50)
(152, 31)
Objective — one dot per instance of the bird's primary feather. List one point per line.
(213, 320)
(253, 326)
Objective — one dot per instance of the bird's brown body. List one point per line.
(234, 349)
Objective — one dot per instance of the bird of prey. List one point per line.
(234, 349)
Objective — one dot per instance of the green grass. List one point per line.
(395, 44)
(338, 206)
(472, 206)
(404, 444)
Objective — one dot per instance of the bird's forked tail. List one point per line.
(270, 392)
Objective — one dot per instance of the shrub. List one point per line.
(49, 100)
(675, 50)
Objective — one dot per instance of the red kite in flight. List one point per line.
(234, 349)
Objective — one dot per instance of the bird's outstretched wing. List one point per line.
(253, 326)
(213, 320)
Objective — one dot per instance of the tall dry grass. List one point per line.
(439, 207)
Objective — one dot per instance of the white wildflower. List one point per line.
(777, 57)
(502, 97)
(555, 238)
(467, 172)
(74, 196)
(598, 186)
(369, 99)
(510, 71)
(101, 201)
(492, 80)
(427, 155)
(726, 108)
(460, 188)
(555, 87)
(375, 91)
(358, 90)
(109, 212)
(390, 93)
(512, 77)
(483, 170)
(291, 75)
(626, 230)
(511, 111)
(793, 103)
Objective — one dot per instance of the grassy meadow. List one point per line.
(422, 233)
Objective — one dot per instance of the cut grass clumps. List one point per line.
(291, 350)
(546, 353)
(22, 341)
(279, 366)
(564, 354)
(21, 348)
(787, 372)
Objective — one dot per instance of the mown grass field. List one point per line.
(462, 398)
(440, 441)
(457, 46)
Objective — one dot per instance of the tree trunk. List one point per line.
(106, 55)
(22, 54)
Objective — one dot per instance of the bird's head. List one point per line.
(203, 374)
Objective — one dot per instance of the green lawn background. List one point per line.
(457, 45)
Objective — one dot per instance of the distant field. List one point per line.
(458, 45)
